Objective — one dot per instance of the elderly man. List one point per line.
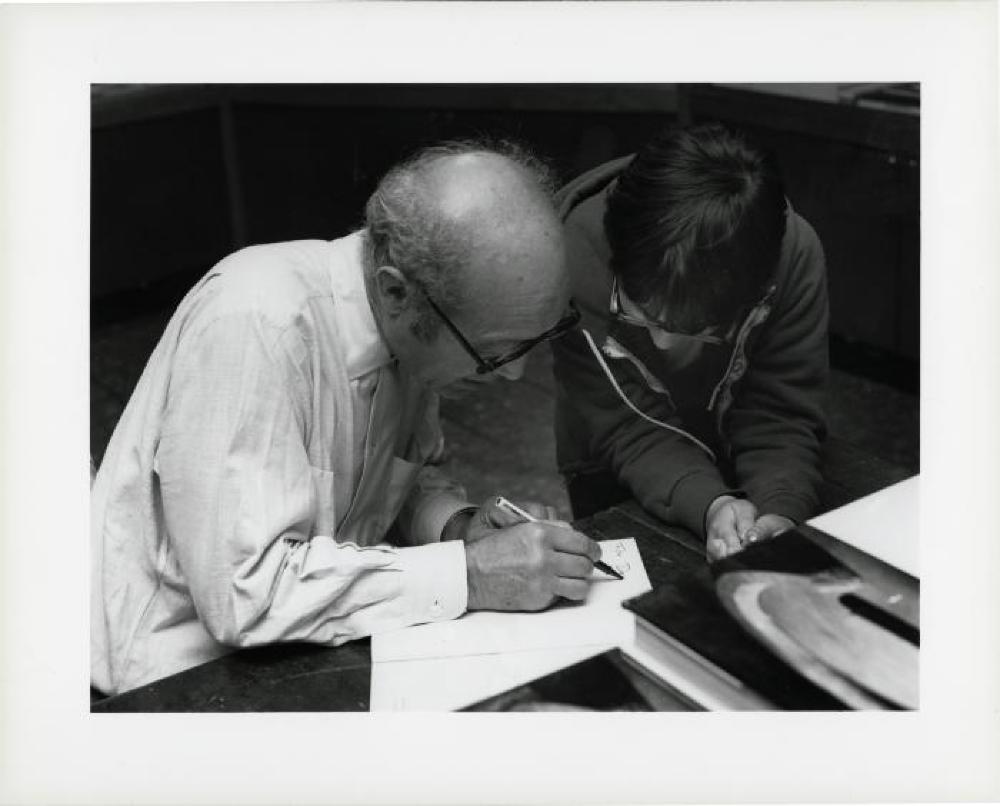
(281, 438)
(696, 383)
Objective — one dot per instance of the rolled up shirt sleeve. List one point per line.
(329, 593)
(240, 506)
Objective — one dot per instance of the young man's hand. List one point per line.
(529, 565)
(727, 522)
(732, 523)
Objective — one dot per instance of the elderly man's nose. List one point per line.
(513, 370)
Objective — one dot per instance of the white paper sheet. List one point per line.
(447, 684)
(598, 620)
(885, 524)
(446, 666)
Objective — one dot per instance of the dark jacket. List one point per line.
(757, 404)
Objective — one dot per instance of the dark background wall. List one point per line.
(183, 174)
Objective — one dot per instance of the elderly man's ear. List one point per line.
(394, 290)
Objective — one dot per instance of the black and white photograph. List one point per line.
(335, 328)
(447, 414)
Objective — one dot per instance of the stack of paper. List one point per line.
(452, 664)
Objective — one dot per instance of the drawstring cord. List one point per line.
(627, 402)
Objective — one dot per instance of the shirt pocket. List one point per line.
(325, 489)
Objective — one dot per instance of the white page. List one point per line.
(600, 620)
(447, 684)
(884, 524)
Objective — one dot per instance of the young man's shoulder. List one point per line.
(589, 184)
(587, 253)
(587, 250)
(802, 262)
(801, 239)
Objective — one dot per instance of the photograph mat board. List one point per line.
(51, 55)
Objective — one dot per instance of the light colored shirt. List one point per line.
(269, 446)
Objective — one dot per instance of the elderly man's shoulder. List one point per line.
(274, 266)
(272, 280)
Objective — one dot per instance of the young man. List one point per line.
(287, 421)
(697, 385)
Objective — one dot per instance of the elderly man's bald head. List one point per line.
(466, 221)
(484, 189)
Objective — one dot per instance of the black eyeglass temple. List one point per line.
(486, 365)
(565, 324)
(481, 365)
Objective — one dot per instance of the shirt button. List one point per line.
(739, 366)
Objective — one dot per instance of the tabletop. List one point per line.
(305, 677)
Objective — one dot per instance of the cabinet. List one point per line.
(854, 174)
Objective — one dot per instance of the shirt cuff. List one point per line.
(431, 516)
(436, 586)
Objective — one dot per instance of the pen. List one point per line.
(514, 509)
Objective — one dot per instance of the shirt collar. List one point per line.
(363, 347)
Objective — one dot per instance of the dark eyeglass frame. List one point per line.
(616, 310)
(487, 365)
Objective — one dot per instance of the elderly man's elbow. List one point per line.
(225, 623)
(226, 631)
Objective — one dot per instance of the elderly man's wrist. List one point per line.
(457, 525)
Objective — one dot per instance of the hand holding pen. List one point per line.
(514, 509)
(519, 562)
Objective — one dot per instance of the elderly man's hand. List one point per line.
(529, 565)
(490, 517)
(728, 525)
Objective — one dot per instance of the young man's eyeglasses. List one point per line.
(486, 365)
(640, 320)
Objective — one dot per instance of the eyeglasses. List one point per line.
(618, 311)
(486, 365)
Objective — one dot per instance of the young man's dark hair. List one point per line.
(695, 224)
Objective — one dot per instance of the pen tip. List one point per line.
(609, 569)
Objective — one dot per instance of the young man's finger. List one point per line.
(771, 526)
(726, 527)
(744, 519)
(716, 549)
